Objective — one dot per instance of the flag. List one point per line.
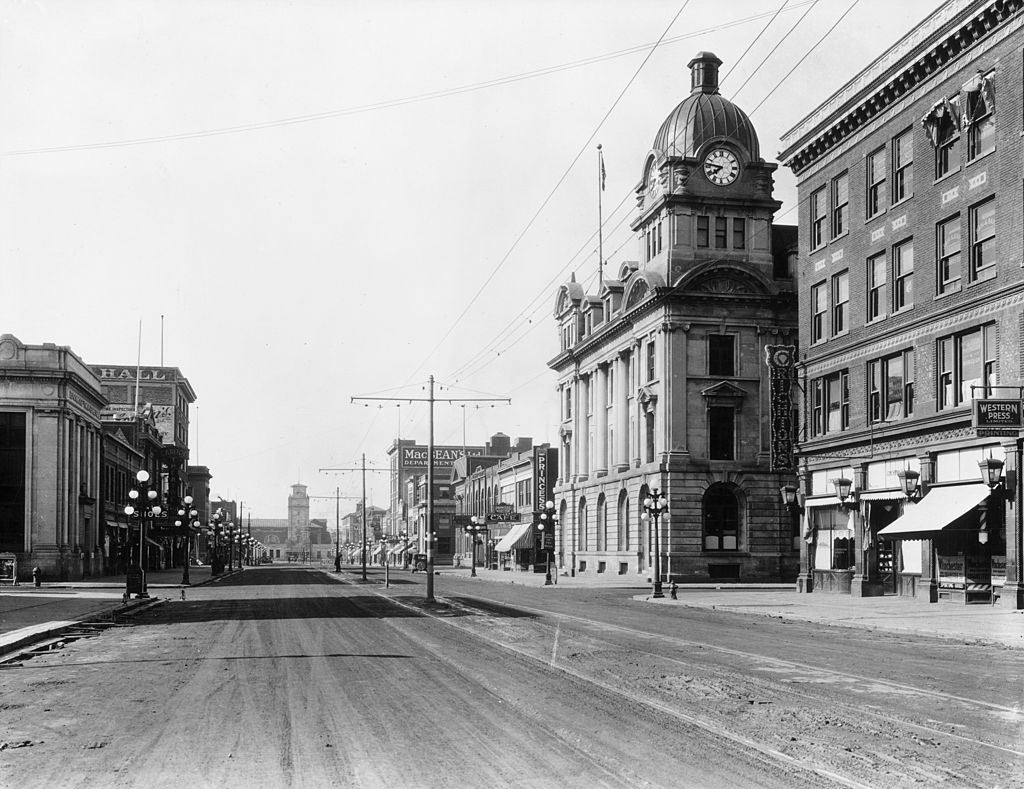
(600, 157)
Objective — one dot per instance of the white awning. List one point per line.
(939, 508)
(512, 540)
(824, 501)
(398, 547)
(882, 495)
(376, 551)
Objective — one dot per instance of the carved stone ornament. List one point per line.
(723, 285)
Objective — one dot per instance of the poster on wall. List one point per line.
(952, 572)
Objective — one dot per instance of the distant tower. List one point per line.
(298, 515)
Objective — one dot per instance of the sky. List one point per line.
(309, 201)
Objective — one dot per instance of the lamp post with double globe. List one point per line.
(546, 526)
(143, 504)
(188, 519)
(655, 506)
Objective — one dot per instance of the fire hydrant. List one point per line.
(36, 573)
(672, 591)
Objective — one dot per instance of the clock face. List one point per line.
(721, 166)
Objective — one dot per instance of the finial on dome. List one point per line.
(704, 72)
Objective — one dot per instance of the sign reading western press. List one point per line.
(444, 457)
(998, 417)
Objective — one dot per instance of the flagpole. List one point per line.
(600, 234)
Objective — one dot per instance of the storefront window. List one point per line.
(834, 547)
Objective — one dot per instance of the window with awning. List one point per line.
(937, 510)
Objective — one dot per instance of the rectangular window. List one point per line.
(903, 276)
(876, 182)
(703, 230)
(981, 133)
(902, 171)
(650, 360)
(877, 276)
(830, 403)
(819, 306)
(721, 232)
(739, 233)
(947, 251)
(946, 159)
(840, 204)
(964, 361)
(983, 237)
(721, 354)
(721, 432)
(817, 212)
(568, 403)
(891, 387)
(840, 302)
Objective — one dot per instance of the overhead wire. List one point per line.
(504, 259)
(379, 105)
(473, 365)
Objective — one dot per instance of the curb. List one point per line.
(19, 639)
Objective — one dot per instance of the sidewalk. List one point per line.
(29, 613)
(978, 623)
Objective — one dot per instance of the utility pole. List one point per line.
(363, 469)
(337, 514)
(430, 463)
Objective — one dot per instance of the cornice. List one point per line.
(951, 32)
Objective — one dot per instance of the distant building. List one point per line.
(911, 297)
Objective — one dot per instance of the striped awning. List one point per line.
(518, 537)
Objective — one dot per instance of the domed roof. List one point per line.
(704, 116)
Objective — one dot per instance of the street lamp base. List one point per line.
(657, 590)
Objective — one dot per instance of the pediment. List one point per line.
(723, 391)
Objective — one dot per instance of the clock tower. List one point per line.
(674, 378)
(705, 194)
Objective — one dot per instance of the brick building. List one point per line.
(911, 302)
(662, 374)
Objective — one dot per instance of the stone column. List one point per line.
(1012, 595)
(621, 448)
(600, 382)
(581, 432)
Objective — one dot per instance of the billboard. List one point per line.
(444, 457)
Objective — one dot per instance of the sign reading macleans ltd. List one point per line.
(444, 457)
(997, 417)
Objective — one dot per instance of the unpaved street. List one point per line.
(291, 677)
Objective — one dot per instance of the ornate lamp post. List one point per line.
(546, 526)
(477, 526)
(188, 519)
(143, 504)
(655, 505)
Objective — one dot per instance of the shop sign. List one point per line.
(503, 517)
(997, 417)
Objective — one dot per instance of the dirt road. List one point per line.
(289, 678)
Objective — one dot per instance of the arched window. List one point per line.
(623, 516)
(602, 523)
(581, 526)
(721, 519)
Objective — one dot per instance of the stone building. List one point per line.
(50, 460)
(662, 375)
(911, 305)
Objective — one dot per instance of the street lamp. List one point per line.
(192, 516)
(143, 505)
(477, 525)
(655, 505)
(216, 520)
(546, 525)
